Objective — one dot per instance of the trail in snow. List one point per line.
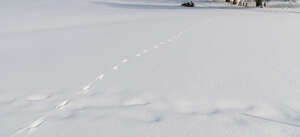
(86, 89)
(67, 101)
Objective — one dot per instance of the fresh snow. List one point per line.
(134, 68)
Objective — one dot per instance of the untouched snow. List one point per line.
(92, 68)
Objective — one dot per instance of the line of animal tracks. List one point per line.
(101, 76)
(59, 107)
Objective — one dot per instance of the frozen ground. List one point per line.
(92, 68)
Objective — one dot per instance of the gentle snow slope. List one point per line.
(85, 68)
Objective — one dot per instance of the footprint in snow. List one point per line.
(62, 105)
(30, 128)
(124, 61)
(87, 87)
(37, 122)
(116, 67)
(101, 76)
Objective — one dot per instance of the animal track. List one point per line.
(116, 67)
(37, 122)
(100, 77)
(61, 106)
(87, 87)
(124, 61)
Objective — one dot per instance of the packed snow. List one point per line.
(148, 68)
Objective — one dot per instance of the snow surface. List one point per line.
(95, 68)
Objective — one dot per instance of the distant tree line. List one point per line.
(259, 3)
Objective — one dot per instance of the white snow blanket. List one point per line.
(100, 68)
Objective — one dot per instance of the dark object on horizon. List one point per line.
(240, 4)
(227, 1)
(188, 4)
(259, 3)
(234, 2)
(265, 4)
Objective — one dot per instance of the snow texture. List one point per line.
(134, 68)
